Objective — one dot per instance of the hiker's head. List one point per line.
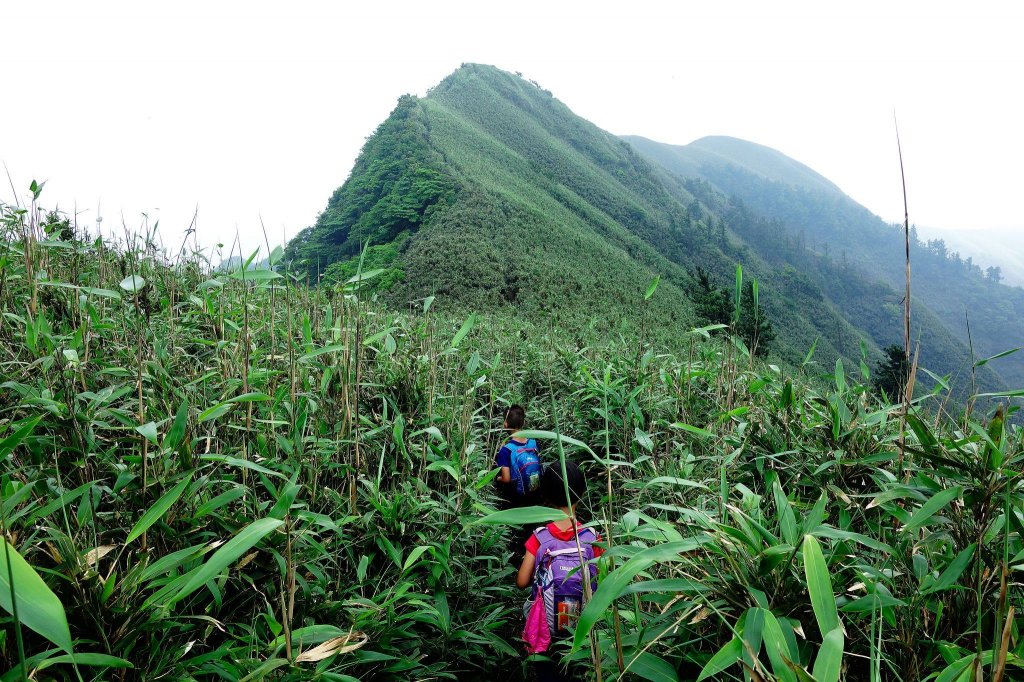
(553, 488)
(515, 418)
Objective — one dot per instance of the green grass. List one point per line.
(226, 475)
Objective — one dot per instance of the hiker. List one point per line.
(519, 474)
(553, 566)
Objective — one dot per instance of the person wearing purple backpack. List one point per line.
(557, 556)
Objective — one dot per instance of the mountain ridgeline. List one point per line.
(806, 218)
(489, 193)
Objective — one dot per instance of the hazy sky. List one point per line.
(252, 109)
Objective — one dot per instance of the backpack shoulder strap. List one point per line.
(587, 536)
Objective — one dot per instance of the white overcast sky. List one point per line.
(251, 109)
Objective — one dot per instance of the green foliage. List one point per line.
(716, 306)
(397, 179)
(381, 257)
(753, 325)
(303, 490)
(802, 223)
(891, 373)
(551, 219)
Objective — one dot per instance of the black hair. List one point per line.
(553, 488)
(515, 417)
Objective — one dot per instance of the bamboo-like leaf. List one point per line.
(819, 585)
(777, 647)
(39, 609)
(361, 277)
(727, 656)
(673, 480)
(551, 435)
(218, 410)
(338, 645)
(953, 571)
(251, 397)
(933, 506)
(92, 660)
(286, 498)
(177, 431)
(522, 516)
(102, 293)
(840, 376)
(829, 661)
(311, 634)
(159, 508)
(258, 275)
(652, 287)
(615, 584)
(148, 431)
(697, 431)
(647, 666)
(225, 556)
(738, 294)
(132, 284)
(12, 441)
(987, 360)
(333, 348)
(957, 670)
(94, 555)
(225, 498)
(243, 463)
(463, 330)
(1016, 393)
(276, 255)
(414, 555)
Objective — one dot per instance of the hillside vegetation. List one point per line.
(809, 220)
(233, 476)
(545, 216)
(493, 195)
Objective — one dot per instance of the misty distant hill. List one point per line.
(806, 207)
(1001, 248)
(718, 150)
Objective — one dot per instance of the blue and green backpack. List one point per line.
(526, 467)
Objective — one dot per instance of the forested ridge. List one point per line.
(804, 219)
(514, 189)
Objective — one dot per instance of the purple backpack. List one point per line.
(558, 576)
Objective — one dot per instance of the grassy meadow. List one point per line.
(211, 475)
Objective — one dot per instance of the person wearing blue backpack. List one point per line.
(519, 473)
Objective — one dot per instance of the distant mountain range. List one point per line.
(946, 283)
(491, 194)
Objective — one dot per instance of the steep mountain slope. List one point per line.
(490, 193)
(811, 216)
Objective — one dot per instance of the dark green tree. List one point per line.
(891, 372)
(753, 325)
(715, 305)
(711, 303)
